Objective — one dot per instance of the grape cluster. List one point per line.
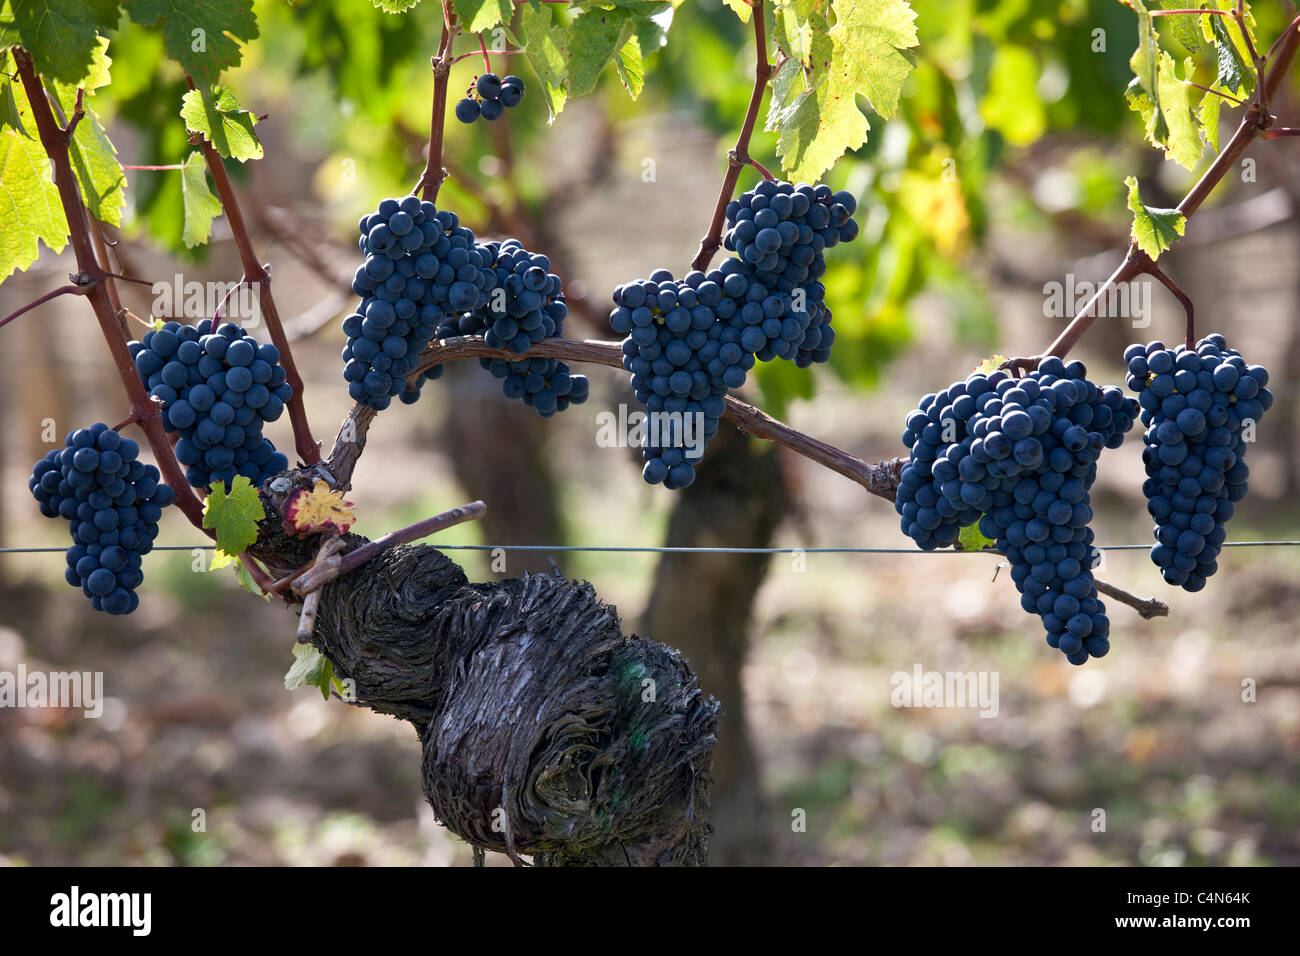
(691, 340)
(1020, 456)
(489, 96)
(1196, 406)
(218, 387)
(425, 276)
(683, 354)
(779, 232)
(420, 264)
(113, 502)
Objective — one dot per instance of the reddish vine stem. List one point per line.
(255, 274)
(1254, 125)
(1165, 280)
(101, 255)
(61, 290)
(55, 140)
(761, 168)
(433, 175)
(739, 156)
(487, 62)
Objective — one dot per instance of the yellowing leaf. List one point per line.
(990, 365)
(310, 668)
(233, 517)
(320, 509)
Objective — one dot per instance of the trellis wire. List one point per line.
(683, 550)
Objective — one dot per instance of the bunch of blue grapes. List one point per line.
(525, 306)
(489, 96)
(1197, 405)
(218, 387)
(113, 503)
(420, 265)
(1019, 456)
(780, 232)
(689, 341)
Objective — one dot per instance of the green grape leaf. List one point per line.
(870, 43)
(594, 38)
(1207, 116)
(1235, 74)
(1143, 92)
(246, 580)
(395, 6)
(310, 668)
(216, 114)
(61, 35)
(970, 538)
(233, 517)
(479, 15)
(544, 47)
(30, 209)
(9, 115)
(202, 35)
(1183, 143)
(1185, 27)
(818, 119)
(990, 365)
(740, 8)
(1154, 229)
(631, 69)
(802, 32)
(201, 206)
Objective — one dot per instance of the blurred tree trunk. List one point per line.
(705, 602)
(497, 448)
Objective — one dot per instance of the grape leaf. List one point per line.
(320, 509)
(9, 116)
(233, 517)
(479, 15)
(971, 538)
(1234, 72)
(93, 156)
(30, 209)
(246, 581)
(1185, 27)
(201, 206)
(216, 114)
(201, 35)
(395, 6)
(990, 365)
(310, 668)
(740, 8)
(1183, 142)
(544, 47)
(594, 38)
(1154, 229)
(1143, 93)
(631, 69)
(819, 119)
(61, 35)
(1207, 115)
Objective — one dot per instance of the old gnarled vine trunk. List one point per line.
(545, 730)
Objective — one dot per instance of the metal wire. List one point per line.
(668, 550)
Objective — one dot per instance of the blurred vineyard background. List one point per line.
(1003, 172)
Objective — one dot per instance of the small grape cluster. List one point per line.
(218, 387)
(1020, 456)
(113, 503)
(489, 96)
(691, 340)
(780, 232)
(1196, 405)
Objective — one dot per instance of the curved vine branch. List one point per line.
(1254, 125)
(879, 478)
(54, 140)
